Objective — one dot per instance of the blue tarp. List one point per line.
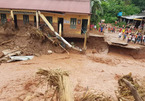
(119, 14)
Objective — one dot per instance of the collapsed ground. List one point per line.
(97, 70)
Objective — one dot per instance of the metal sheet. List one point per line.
(73, 6)
(21, 58)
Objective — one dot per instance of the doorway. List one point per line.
(15, 21)
(60, 21)
(35, 21)
(84, 26)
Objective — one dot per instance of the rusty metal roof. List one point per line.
(71, 6)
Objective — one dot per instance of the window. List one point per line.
(25, 19)
(3, 18)
(73, 22)
(49, 18)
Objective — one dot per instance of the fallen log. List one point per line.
(133, 90)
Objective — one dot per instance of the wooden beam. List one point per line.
(37, 20)
(85, 41)
(60, 29)
(12, 14)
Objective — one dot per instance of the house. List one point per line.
(73, 15)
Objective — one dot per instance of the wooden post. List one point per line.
(37, 20)
(85, 41)
(60, 29)
(12, 14)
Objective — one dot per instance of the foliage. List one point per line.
(97, 11)
(139, 3)
(120, 24)
(111, 8)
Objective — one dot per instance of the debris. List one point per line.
(1, 54)
(50, 52)
(56, 34)
(5, 42)
(90, 96)
(60, 81)
(13, 54)
(133, 90)
(8, 53)
(29, 97)
(20, 58)
(129, 89)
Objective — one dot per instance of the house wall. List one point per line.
(66, 23)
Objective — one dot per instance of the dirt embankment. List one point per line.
(27, 39)
(32, 41)
(98, 45)
(135, 53)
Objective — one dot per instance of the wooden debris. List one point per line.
(60, 80)
(133, 90)
(89, 96)
(8, 53)
(5, 42)
(129, 89)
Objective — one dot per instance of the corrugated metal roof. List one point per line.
(132, 17)
(141, 15)
(75, 6)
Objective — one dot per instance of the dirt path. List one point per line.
(98, 72)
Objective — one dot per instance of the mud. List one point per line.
(18, 79)
(98, 45)
(27, 40)
(97, 70)
(135, 53)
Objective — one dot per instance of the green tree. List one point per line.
(113, 7)
(97, 11)
(139, 3)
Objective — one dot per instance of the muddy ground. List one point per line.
(96, 70)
